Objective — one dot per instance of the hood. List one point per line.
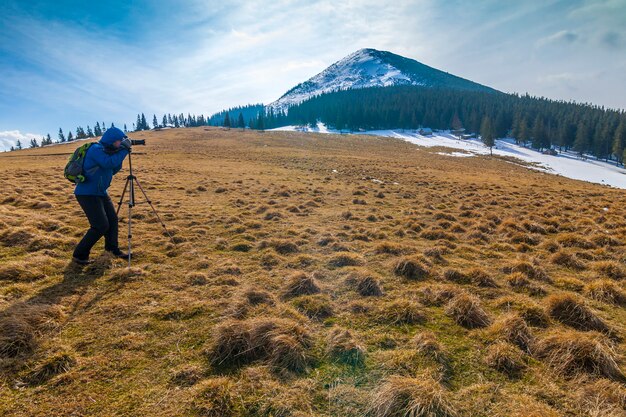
(111, 135)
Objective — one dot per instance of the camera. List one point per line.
(136, 142)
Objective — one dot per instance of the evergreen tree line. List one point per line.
(169, 120)
(240, 116)
(98, 130)
(81, 133)
(533, 121)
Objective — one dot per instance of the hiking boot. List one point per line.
(119, 254)
(81, 261)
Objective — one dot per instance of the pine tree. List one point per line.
(155, 122)
(524, 132)
(164, 121)
(97, 131)
(260, 123)
(227, 121)
(487, 134)
(619, 141)
(18, 145)
(80, 133)
(125, 128)
(61, 136)
(48, 139)
(33, 143)
(582, 139)
(138, 123)
(240, 122)
(538, 133)
(70, 137)
(456, 123)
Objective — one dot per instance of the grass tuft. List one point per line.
(571, 353)
(301, 283)
(466, 310)
(571, 311)
(343, 347)
(400, 396)
(410, 268)
(283, 343)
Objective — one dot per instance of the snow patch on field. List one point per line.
(566, 164)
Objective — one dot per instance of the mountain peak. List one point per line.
(369, 67)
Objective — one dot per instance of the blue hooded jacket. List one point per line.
(100, 166)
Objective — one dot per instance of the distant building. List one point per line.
(425, 131)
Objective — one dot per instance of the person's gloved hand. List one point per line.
(126, 144)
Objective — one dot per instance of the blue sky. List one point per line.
(67, 63)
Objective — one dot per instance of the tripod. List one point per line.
(131, 180)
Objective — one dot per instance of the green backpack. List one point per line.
(74, 167)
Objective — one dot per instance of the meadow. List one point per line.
(314, 275)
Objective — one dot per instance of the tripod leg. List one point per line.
(131, 203)
(122, 198)
(154, 211)
(130, 208)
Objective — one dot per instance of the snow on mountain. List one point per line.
(565, 164)
(372, 68)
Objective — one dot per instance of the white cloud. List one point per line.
(562, 36)
(9, 138)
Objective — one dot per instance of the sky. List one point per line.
(69, 63)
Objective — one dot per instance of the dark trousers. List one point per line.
(103, 221)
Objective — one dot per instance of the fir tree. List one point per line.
(155, 122)
(226, 121)
(240, 122)
(456, 123)
(97, 131)
(70, 137)
(619, 141)
(164, 121)
(80, 133)
(61, 137)
(487, 134)
(582, 139)
(33, 143)
(538, 133)
(125, 128)
(260, 123)
(18, 145)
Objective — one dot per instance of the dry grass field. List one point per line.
(314, 275)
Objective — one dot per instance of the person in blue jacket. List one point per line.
(102, 161)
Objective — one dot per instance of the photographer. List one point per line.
(102, 161)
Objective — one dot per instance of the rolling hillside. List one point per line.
(314, 275)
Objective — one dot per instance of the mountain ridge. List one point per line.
(369, 67)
